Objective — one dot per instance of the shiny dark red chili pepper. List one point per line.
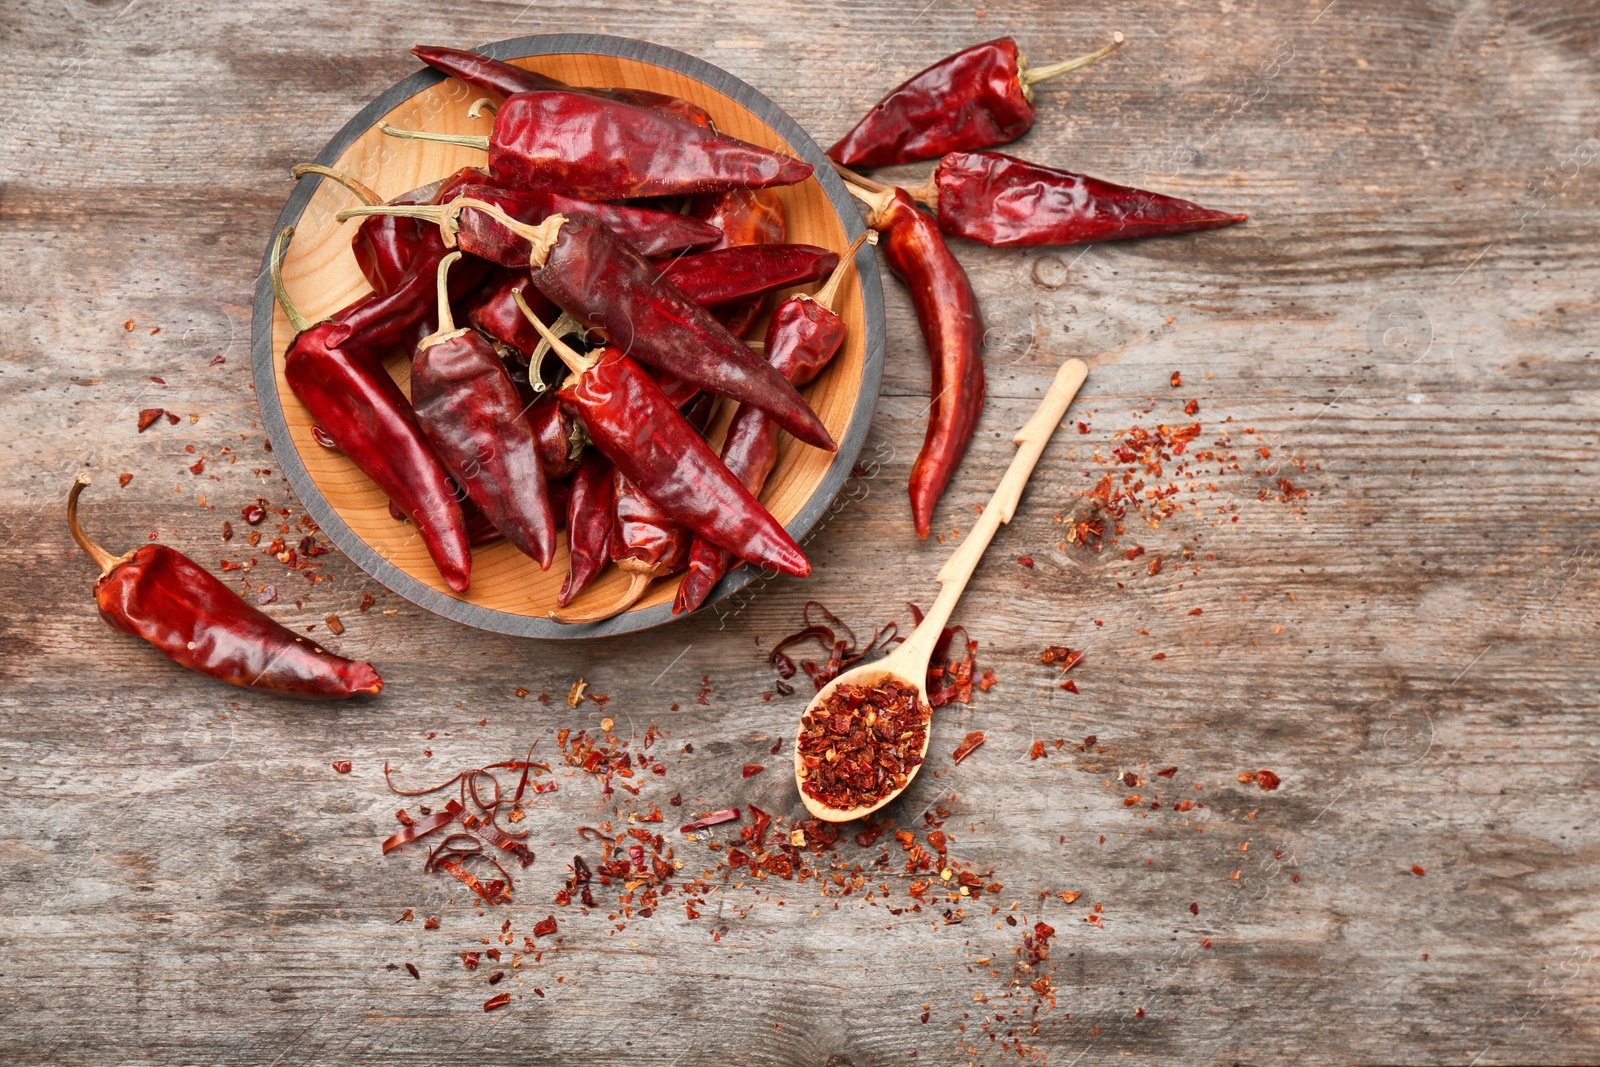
(712, 279)
(979, 97)
(1001, 200)
(631, 421)
(649, 231)
(802, 338)
(605, 149)
(383, 244)
(591, 513)
(745, 216)
(356, 404)
(472, 415)
(493, 76)
(496, 314)
(163, 596)
(606, 285)
(952, 326)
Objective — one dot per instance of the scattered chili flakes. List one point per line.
(1026, 561)
(406, 916)
(1037, 751)
(412, 967)
(522, 694)
(968, 745)
(1177, 380)
(334, 623)
(1265, 779)
(124, 479)
(1155, 567)
(199, 466)
(148, 417)
(172, 416)
(253, 514)
(431, 924)
(545, 927)
(750, 770)
(1166, 772)
(366, 602)
(499, 1000)
(342, 766)
(575, 694)
(1418, 871)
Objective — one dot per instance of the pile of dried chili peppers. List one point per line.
(625, 223)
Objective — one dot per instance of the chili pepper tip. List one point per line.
(637, 583)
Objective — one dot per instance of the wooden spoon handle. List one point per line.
(958, 569)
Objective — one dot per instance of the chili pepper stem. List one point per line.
(480, 105)
(361, 191)
(927, 193)
(575, 363)
(563, 325)
(465, 140)
(1029, 77)
(638, 582)
(447, 324)
(860, 179)
(297, 321)
(102, 559)
(877, 201)
(448, 218)
(830, 289)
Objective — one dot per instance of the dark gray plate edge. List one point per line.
(392, 577)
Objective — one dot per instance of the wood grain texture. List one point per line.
(1410, 312)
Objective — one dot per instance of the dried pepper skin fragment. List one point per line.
(980, 97)
(159, 594)
(862, 743)
(1008, 202)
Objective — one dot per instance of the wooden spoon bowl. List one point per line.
(509, 593)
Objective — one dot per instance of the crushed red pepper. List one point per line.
(968, 746)
(862, 743)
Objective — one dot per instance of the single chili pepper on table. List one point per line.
(1003, 201)
(471, 413)
(507, 79)
(802, 338)
(979, 97)
(712, 279)
(163, 596)
(358, 406)
(604, 149)
(383, 244)
(595, 277)
(591, 515)
(952, 327)
(634, 425)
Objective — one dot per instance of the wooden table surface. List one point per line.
(1406, 323)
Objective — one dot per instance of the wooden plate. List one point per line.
(509, 593)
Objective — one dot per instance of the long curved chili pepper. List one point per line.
(802, 338)
(383, 244)
(163, 596)
(979, 97)
(712, 279)
(355, 402)
(599, 149)
(471, 413)
(606, 285)
(633, 424)
(646, 542)
(1007, 202)
(491, 75)
(591, 513)
(952, 327)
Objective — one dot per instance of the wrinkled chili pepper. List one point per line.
(979, 97)
(495, 314)
(559, 435)
(802, 337)
(947, 310)
(472, 415)
(355, 402)
(650, 232)
(163, 596)
(383, 244)
(591, 514)
(491, 75)
(632, 422)
(745, 217)
(1007, 202)
(605, 285)
(596, 148)
(728, 274)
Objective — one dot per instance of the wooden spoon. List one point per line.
(908, 664)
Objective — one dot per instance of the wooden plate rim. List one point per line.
(391, 576)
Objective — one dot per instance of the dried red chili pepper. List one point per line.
(979, 97)
(163, 596)
(491, 75)
(383, 245)
(633, 424)
(1008, 202)
(590, 517)
(649, 231)
(472, 415)
(560, 436)
(496, 315)
(745, 217)
(597, 148)
(723, 276)
(355, 402)
(952, 326)
(605, 285)
(801, 339)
